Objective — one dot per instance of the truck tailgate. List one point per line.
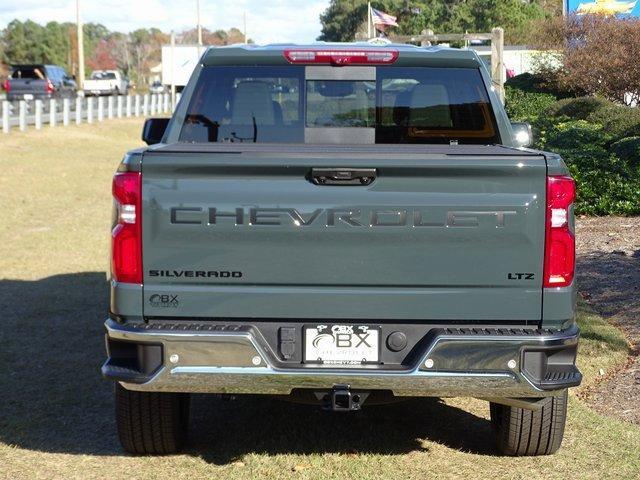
(20, 86)
(443, 233)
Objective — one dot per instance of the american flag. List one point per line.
(381, 18)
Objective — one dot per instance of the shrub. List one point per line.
(537, 83)
(607, 184)
(602, 192)
(628, 149)
(618, 120)
(570, 136)
(577, 108)
(526, 106)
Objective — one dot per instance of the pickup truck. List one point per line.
(106, 82)
(38, 82)
(342, 224)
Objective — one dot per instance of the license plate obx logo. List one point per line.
(342, 344)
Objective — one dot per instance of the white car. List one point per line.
(156, 87)
(106, 82)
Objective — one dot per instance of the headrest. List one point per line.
(252, 99)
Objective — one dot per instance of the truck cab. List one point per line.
(106, 82)
(342, 224)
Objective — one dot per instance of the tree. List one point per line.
(102, 57)
(28, 42)
(593, 54)
(219, 37)
(343, 18)
(515, 16)
(146, 46)
(121, 51)
(92, 33)
(132, 53)
(55, 43)
(22, 42)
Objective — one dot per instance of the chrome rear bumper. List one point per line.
(476, 363)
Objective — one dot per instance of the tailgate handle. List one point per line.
(343, 176)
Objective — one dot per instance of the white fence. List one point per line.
(64, 112)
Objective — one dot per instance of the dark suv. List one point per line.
(29, 82)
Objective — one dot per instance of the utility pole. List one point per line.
(80, 78)
(498, 73)
(173, 72)
(245, 27)
(199, 27)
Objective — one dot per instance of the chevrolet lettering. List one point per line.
(351, 216)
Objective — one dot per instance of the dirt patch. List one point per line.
(608, 270)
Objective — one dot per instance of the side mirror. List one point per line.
(522, 135)
(153, 130)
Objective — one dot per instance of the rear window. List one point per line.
(246, 104)
(36, 72)
(103, 76)
(403, 105)
(433, 105)
(340, 103)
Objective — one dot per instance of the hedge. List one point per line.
(619, 120)
(525, 106)
(628, 149)
(536, 83)
(608, 184)
(577, 108)
(598, 140)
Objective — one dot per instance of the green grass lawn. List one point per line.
(56, 413)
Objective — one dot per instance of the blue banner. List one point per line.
(604, 7)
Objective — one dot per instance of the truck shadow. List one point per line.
(230, 429)
(54, 400)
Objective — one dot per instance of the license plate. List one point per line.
(28, 96)
(341, 344)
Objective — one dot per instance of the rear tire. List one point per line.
(521, 432)
(151, 423)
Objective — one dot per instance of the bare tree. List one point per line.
(595, 54)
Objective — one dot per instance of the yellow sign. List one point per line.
(606, 7)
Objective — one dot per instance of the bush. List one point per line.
(618, 120)
(577, 108)
(607, 184)
(598, 139)
(578, 136)
(628, 149)
(526, 106)
(536, 83)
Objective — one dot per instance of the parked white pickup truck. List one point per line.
(106, 82)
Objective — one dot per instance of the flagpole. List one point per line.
(368, 20)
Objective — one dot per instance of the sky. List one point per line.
(268, 21)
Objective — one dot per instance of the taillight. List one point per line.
(560, 249)
(126, 237)
(6, 85)
(341, 57)
(48, 87)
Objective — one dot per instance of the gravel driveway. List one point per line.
(608, 250)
